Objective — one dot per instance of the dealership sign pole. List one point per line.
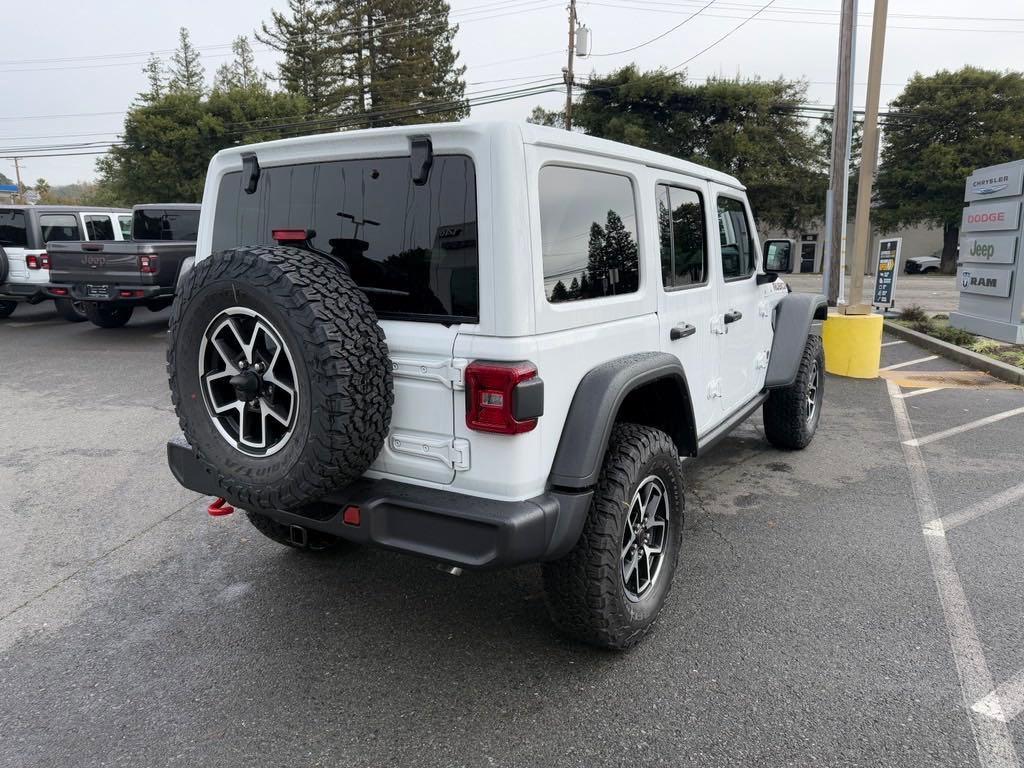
(990, 269)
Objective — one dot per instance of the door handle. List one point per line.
(733, 316)
(681, 331)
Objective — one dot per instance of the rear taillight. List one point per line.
(148, 265)
(37, 261)
(59, 291)
(505, 398)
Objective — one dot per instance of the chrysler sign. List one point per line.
(997, 181)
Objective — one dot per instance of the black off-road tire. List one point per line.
(108, 315)
(343, 373)
(585, 591)
(787, 423)
(70, 310)
(5, 266)
(7, 308)
(316, 541)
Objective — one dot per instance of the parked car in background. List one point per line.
(922, 265)
(25, 263)
(109, 280)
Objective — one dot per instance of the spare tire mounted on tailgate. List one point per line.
(279, 375)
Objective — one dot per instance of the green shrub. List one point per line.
(913, 313)
(955, 336)
(940, 316)
(924, 325)
(985, 346)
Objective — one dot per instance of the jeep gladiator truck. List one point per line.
(108, 280)
(486, 343)
(25, 231)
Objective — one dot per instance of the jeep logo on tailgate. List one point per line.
(93, 260)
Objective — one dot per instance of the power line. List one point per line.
(723, 37)
(663, 34)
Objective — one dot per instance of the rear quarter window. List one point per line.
(57, 227)
(13, 229)
(165, 224)
(99, 227)
(412, 249)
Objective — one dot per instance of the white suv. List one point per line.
(24, 263)
(484, 343)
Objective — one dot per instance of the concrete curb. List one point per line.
(1000, 370)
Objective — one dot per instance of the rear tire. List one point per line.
(603, 592)
(107, 315)
(791, 414)
(7, 308)
(316, 541)
(70, 310)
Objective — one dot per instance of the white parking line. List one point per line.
(910, 362)
(991, 736)
(966, 427)
(893, 343)
(1005, 702)
(991, 504)
(917, 392)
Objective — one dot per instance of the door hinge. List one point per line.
(761, 361)
(718, 325)
(451, 373)
(714, 389)
(764, 308)
(452, 453)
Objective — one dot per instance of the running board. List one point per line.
(708, 441)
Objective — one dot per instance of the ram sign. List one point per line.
(989, 282)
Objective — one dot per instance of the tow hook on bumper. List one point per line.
(219, 508)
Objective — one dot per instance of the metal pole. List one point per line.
(868, 160)
(839, 168)
(17, 175)
(568, 69)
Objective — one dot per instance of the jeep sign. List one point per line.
(988, 282)
(997, 181)
(989, 249)
(991, 216)
(989, 274)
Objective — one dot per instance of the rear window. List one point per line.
(57, 227)
(125, 223)
(412, 249)
(13, 230)
(99, 227)
(165, 224)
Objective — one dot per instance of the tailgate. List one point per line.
(96, 262)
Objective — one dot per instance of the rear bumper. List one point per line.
(467, 531)
(140, 294)
(30, 292)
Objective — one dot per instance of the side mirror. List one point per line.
(778, 256)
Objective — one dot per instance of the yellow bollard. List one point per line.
(853, 345)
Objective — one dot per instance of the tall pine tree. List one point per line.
(242, 72)
(187, 75)
(312, 60)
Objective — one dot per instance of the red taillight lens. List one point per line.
(148, 265)
(59, 291)
(489, 395)
(44, 261)
(37, 261)
(292, 235)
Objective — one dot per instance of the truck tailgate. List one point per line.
(116, 263)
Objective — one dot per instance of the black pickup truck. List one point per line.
(109, 279)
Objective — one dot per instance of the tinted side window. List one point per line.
(59, 226)
(165, 224)
(13, 230)
(684, 259)
(99, 227)
(737, 240)
(588, 234)
(412, 249)
(125, 223)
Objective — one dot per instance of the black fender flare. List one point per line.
(793, 317)
(592, 413)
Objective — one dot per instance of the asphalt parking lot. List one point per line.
(853, 604)
(933, 293)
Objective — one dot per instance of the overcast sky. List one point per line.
(70, 68)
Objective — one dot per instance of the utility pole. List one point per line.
(567, 72)
(869, 155)
(839, 169)
(17, 176)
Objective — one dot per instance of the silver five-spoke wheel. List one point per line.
(644, 538)
(814, 383)
(248, 381)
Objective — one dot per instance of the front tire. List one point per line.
(108, 315)
(791, 414)
(7, 308)
(70, 310)
(611, 588)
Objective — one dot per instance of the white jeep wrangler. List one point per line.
(484, 343)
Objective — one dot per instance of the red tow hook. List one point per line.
(219, 508)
